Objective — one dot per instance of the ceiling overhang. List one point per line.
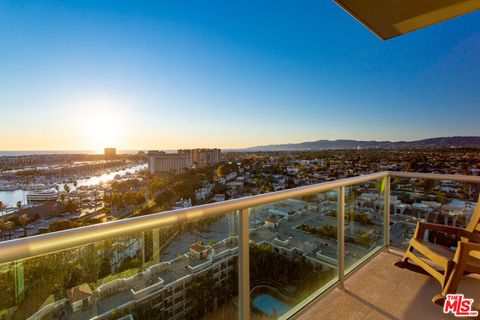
(391, 18)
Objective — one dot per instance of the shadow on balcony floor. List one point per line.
(381, 290)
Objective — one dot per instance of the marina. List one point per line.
(10, 196)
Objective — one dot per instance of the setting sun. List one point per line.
(101, 132)
(100, 126)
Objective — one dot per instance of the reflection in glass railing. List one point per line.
(293, 252)
(364, 220)
(186, 270)
(436, 201)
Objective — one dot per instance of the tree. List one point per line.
(70, 206)
(23, 221)
(63, 225)
(363, 239)
(6, 227)
(222, 171)
(290, 183)
(185, 188)
(164, 198)
(3, 228)
(441, 197)
(219, 188)
(225, 169)
(2, 206)
(202, 292)
(427, 185)
(362, 218)
(155, 185)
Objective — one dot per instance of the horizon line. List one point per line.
(229, 148)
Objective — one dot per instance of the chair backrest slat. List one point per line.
(474, 224)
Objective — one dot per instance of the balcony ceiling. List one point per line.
(391, 18)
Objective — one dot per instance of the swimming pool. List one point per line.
(269, 305)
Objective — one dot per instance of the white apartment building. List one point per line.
(159, 161)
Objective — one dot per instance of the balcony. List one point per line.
(380, 290)
(327, 249)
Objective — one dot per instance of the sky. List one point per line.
(83, 75)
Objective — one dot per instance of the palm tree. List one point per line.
(64, 195)
(19, 206)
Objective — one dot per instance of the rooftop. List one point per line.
(198, 248)
(78, 293)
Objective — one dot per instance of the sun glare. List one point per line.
(101, 128)
(101, 133)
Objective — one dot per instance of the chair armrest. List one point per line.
(470, 248)
(422, 226)
(473, 237)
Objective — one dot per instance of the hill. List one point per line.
(440, 142)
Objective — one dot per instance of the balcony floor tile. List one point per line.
(381, 290)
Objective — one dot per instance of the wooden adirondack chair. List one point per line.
(466, 258)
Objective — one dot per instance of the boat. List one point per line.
(42, 196)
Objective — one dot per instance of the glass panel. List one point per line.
(293, 253)
(364, 221)
(443, 202)
(187, 270)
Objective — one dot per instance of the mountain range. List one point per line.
(440, 142)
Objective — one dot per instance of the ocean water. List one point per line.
(38, 152)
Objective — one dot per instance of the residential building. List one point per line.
(79, 297)
(110, 152)
(161, 162)
(201, 158)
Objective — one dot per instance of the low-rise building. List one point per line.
(271, 222)
(79, 297)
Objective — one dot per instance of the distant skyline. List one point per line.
(83, 75)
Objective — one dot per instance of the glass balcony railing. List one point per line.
(440, 199)
(293, 252)
(265, 256)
